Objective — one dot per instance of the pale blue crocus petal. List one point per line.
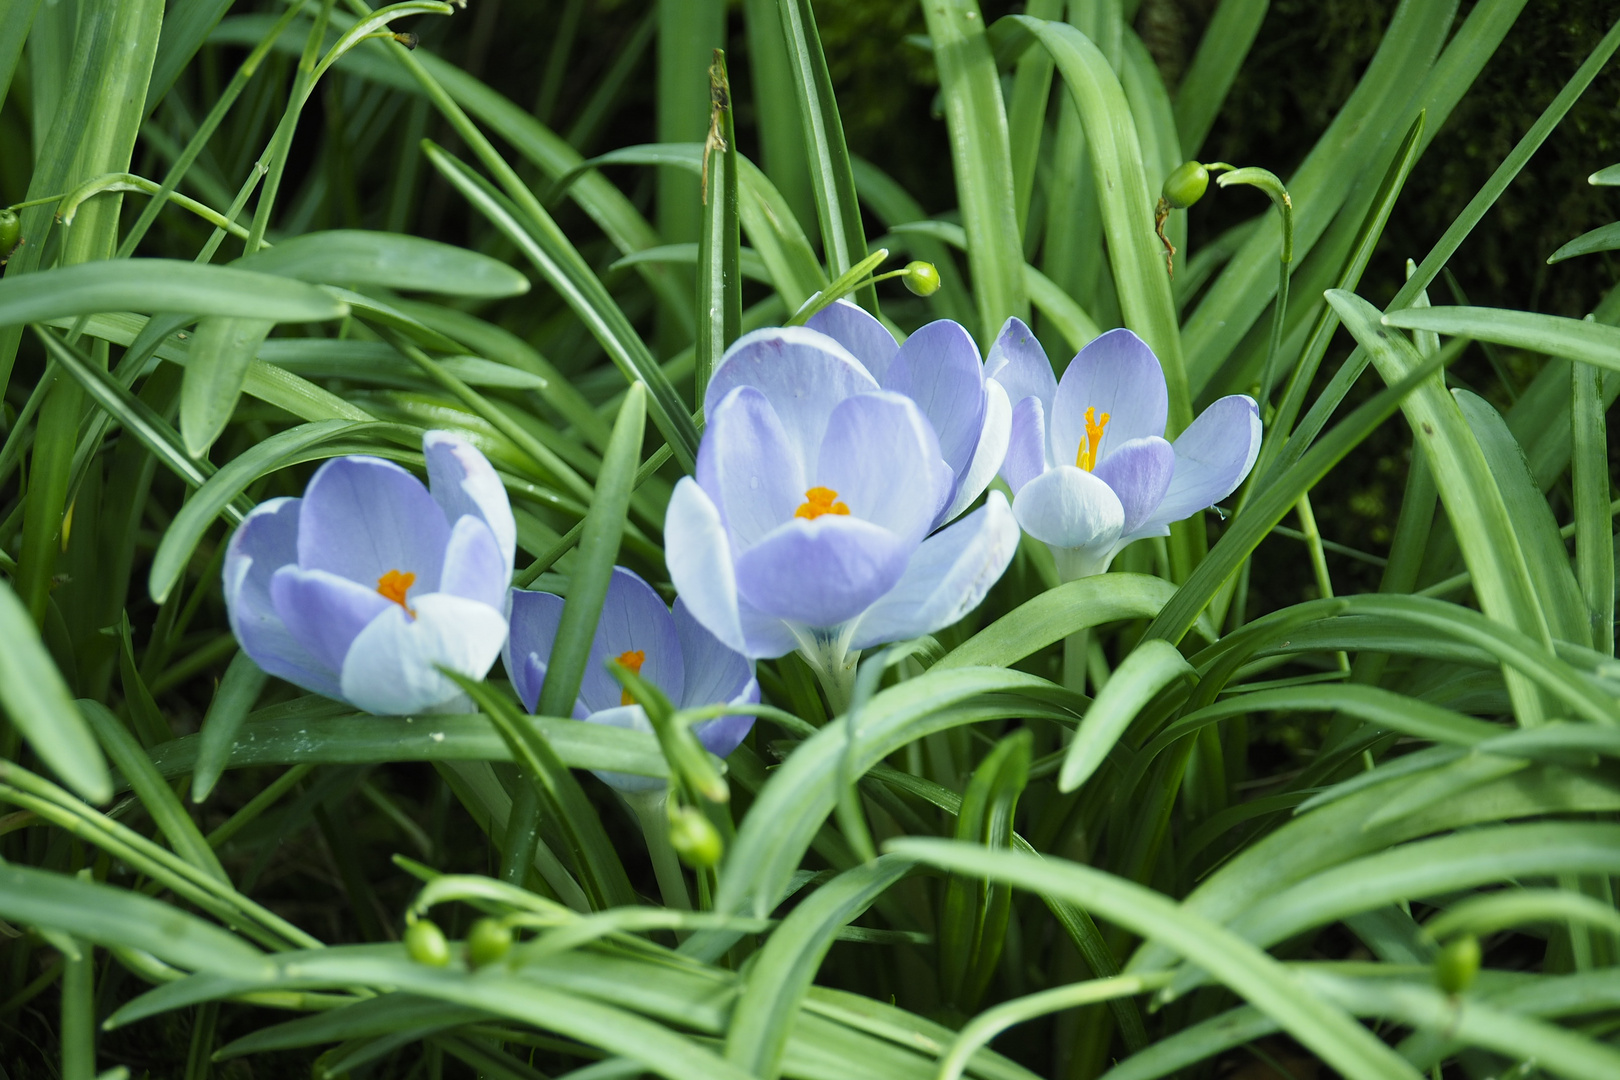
(462, 481)
(324, 612)
(1213, 456)
(882, 458)
(987, 458)
(698, 555)
(713, 671)
(631, 718)
(947, 577)
(868, 340)
(748, 467)
(392, 667)
(820, 573)
(634, 619)
(1115, 374)
(1139, 472)
(474, 565)
(534, 618)
(363, 517)
(938, 367)
(1067, 507)
(1026, 444)
(1019, 364)
(803, 373)
(267, 540)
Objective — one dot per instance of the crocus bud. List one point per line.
(1457, 963)
(425, 943)
(487, 942)
(693, 837)
(1185, 185)
(921, 278)
(10, 233)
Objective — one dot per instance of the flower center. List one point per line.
(632, 660)
(1086, 458)
(394, 585)
(818, 501)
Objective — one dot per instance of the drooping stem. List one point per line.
(650, 810)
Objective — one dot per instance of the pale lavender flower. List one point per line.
(1087, 461)
(807, 525)
(668, 649)
(368, 584)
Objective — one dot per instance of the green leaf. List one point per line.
(244, 680)
(1594, 523)
(719, 257)
(1149, 668)
(1602, 238)
(1056, 613)
(1578, 339)
(359, 257)
(220, 353)
(1221, 52)
(161, 285)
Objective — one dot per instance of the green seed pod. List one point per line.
(425, 943)
(921, 278)
(1457, 963)
(694, 837)
(487, 942)
(1185, 185)
(10, 233)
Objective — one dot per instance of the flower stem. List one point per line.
(649, 808)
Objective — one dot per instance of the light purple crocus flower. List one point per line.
(365, 587)
(668, 649)
(1087, 461)
(807, 525)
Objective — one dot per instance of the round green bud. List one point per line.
(921, 278)
(1186, 185)
(694, 837)
(10, 233)
(1456, 964)
(487, 942)
(425, 943)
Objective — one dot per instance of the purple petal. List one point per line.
(1019, 364)
(462, 481)
(1115, 374)
(363, 517)
(989, 454)
(392, 667)
(634, 619)
(631, 718)
(866, 339)
(324, 612)
(724, 734)
(882, 459)
(748, 467)
(713, 671)
(1068, 507)
(1139, 472)
(266, 541)
(1213, 456)
(534, 617)
(938, 367)
(764, 636)
(699, 559)
(474, 566)
(822, 572)
(802, 372)
(1026, 444)
(947, 578)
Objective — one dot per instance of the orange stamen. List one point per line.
(632, 660)
(818, 501)
(1086, 458)
(394, 585)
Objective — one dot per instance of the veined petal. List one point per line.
(947, 577)
(462, 481)
(474, 565)
(749, 468)
(881, 457)
(267, 540)
(324, 612)
(822, 572)
(631, 718)
(699, 559)
(1068, 507)
(1019, 364)
(724, 734)
(868, 340)
(1139, 472)
(534, 617)
(714, 672)
(939, 368)
(392, 667)
(363, 516)
(1115, 374)
(634, 619)
(1026, 444)
(988, 456)
(1213, 456)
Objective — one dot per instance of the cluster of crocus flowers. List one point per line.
(1087, 461)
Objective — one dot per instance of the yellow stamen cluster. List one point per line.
(818, 501)
(1086, 457)
(632, 660)
(394, 585)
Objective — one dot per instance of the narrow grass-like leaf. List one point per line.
(1578, 339)
(240, 687)
(1221, 52)
(1056, 613)
(360, 257)
(719, 277)
(1602, 238)
(1594, 523)
(161, 285)
(220, 353)
(1149, 668)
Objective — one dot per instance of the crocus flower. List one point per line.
(1087, 461)
(668, 649)
(807, 525)
(368, 584)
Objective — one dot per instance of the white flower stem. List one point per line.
(834, 663)
(649, 808)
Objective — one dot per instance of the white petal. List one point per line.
(392, 667)
(1068, 507)
(699, 560)
(990, 453)
(463, 481)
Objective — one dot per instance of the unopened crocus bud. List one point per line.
(487, 942)
(694, 837)
(1457, 963)
(10, 233)
(1185, 185)
(425, 943)
(921, 278)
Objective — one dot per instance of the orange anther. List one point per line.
(632, 660)
(1086, 458)
(818, 501)
(394, 585)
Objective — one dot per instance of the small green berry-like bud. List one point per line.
(694, 837)
(1185, 185)
(487, 942)
(921, 278)
(1457, 963)
(425, 943)
(10, 233)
